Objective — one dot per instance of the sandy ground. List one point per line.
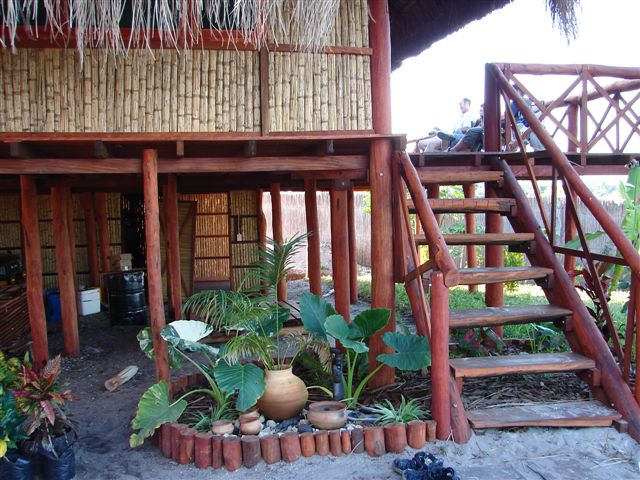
(104, 417)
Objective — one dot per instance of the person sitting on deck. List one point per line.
(473, 139)
(436, 139)
(522, 122)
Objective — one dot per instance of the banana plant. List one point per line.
(322, 321)
(183, 336)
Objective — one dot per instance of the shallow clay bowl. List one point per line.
(328, 415)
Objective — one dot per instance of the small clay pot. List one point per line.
(249, 415)
(222, 427)
(250, 426)
(328, 415)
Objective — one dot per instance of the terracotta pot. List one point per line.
(221, 427)
(328, 415)
(284, 394)
(250, 426)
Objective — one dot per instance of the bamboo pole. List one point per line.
(276, 221)
(92, 239)
(353, 261)
(440, 376)
(64, 267)
(33, 266)
(313, 242)
(340, 248)
(172, 238)
(154, 275)
(103, 230)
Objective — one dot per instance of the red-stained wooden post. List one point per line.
(340, 248)
(494, 254)
(262, 219)
(172, 238)
(635, 291)
(64, 267)
(470, 223)
(103, 230)
(154, 275)
(313, 241)
(440, 376)
(33, 266)
(570, 229)
(92, 238)
(72, 237)
(353, 260)
(276, 222)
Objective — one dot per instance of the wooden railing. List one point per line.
(577, 106)
(592, 117)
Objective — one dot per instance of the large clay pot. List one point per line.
(284, 394)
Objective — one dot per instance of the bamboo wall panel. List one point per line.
(47, 90)
(244, 248)
(319, 92)
(351, 27)
(10, 233)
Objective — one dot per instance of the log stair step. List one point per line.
(481, 238)
(470, 205)
(482, 276)
(494, 316)
(440, 177)
(562, 414)
(474, 367)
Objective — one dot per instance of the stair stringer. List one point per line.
(585, 337)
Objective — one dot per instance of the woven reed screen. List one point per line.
(10, 233)
(244, 236)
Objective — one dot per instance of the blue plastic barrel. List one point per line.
(52, 305)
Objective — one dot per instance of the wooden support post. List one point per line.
(64, 267)
(172, 238)
(470, 223)
(276, 221)
(382, 284)
(154, 275)
(72, 238)
(262, 220)
(440, 375)
(494, 257)
(340, 248)
(570, 230)
(92, 238)
(103, 230)
(313, 241)
(353, 260)
(635, 293)
(33, 266)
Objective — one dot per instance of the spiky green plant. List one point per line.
(404, 413)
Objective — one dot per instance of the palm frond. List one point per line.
(220, 308)
(248, 346)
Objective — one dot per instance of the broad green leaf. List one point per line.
(412, 351)
(154, 410)
(368, 322)
(313, 313)
(337, 328)
(576, 244)
(146, 345)
(185, 335)
(246, 379)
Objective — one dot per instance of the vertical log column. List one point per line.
(440, 376)
(92, 238)
(340, 247)
(313, 241)
(154, 275)
(103, 230)
(570, 229)
(276, 222)
(382, 284)
(172, 238)
(33, 265)
(470, 223)
(494, 254)
(64, 266)
(353, 260)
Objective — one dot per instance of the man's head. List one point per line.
(465, 105)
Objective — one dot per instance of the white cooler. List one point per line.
(89, 301)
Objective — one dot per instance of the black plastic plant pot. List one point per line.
(62, 467)
(14, 466)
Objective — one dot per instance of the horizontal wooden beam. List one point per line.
(571, 69)
(66, 166)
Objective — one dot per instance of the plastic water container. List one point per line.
(89, 301)
(52, 304)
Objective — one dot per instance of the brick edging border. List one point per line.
(186, 445)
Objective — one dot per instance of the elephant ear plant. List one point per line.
(183, 336)
(322, 321)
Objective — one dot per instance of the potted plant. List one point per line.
(255, 319)
(39, 397)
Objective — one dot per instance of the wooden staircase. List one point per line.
(590, 357)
